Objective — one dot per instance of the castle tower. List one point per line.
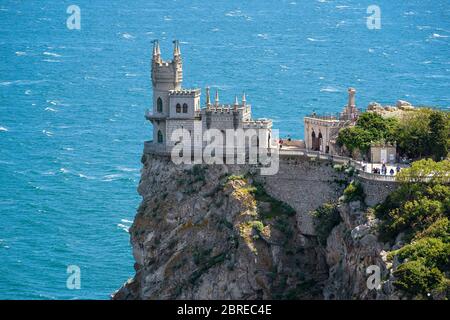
(166, 76)
(350, 111)
(173, 106)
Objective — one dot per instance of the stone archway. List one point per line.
(320, 142)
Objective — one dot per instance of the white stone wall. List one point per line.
(192, 101)
(186, 124)
(159, 126)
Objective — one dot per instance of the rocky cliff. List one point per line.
(224, 232)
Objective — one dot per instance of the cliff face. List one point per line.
(224, 232)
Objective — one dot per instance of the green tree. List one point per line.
(412, 134)
(439, 135)
(370, 127)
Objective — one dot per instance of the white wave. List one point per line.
(68, 149)
(342, 7)
(315, 40)
(124, 227)
(127, 36)
(3, 129)
(215, 30)
(125, 169)
(238, 13)
(437, 35)
(130, 75)
(64, 170)
(265, 36)
(167, 18)
(51, 60)
(20, 53)
(111, 177)
(284, 67)
(47, 133)
(85, 176)
(329, 89)
(52, 54)
(126, 221)
(50, 109)
(371, 50)
(27, 92)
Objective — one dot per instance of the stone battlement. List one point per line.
(185, 92)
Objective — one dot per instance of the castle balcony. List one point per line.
(258, 124)
(327, 117)
(185, 92)
(228, 108)
(149, 115)
(151, 147)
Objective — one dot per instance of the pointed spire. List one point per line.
(208, 98)
(156, 51)
(216, 101)
(236, 103)
(351, 97)
(176, 48)
(244, 100)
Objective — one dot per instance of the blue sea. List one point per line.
(72, 106)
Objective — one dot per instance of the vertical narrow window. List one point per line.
(160, 137)
(185, 108)
(178, 108)
(159, 105)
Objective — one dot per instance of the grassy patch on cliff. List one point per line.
(277, 207)
(326, 218)
(354, 192)
(420, 212)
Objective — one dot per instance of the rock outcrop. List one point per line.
(224, 232)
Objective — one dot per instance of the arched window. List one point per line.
(159, 105)
(319, 142)
(160, 137)
(185, 108)
(178, 108)
(313, 141)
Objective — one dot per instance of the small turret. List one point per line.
(236, 103)
(166, 75)
(216, 101)
(156, 52)
(351, 97)
(208, 98)
(244, 100)
(350, 111)
(176, 49)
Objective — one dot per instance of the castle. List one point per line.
(175, 107)
(321, 131)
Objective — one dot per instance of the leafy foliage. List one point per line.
(420, 211)
(327, 217)
(354, 192)
(421, 133)
(424, 133)
(369, 127)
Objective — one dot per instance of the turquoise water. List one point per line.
(72, 105)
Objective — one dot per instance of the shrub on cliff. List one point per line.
(326, 218)
(354, 192)
(369, 127)
(419, 281)
(420, 211)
